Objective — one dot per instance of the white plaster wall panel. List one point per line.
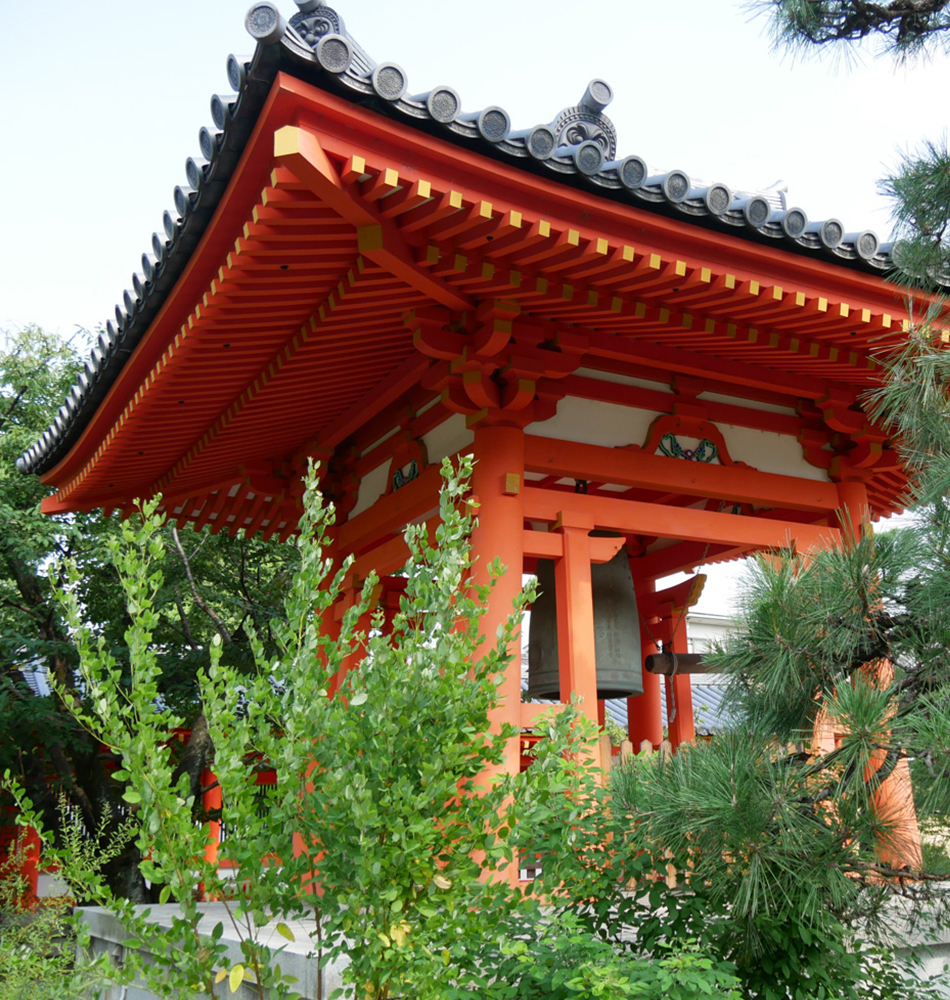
(613, 426)
(587, 421)
(769, 452)
(449, 437)
(372, 487)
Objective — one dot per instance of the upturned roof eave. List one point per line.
(283, 46)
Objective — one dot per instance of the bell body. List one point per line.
(616, 632)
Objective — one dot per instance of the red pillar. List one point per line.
(575, 614)
(645, 712)
(679, 692)
(894, 800)
(28, 847)
(497, 484)
(211, 800)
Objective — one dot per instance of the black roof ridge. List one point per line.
(578, 148)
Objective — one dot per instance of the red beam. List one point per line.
(627, 467)
(686, 523)
(379, 239)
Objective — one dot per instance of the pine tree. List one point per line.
(906, 28)
(919, 189)
(792, 835)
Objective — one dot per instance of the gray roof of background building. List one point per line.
(710, 714)
(579, 146)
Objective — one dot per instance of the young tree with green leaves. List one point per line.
(380, 804)
(214, 585)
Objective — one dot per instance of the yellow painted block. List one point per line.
(369, 238)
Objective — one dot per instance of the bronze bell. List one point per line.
(616, 632)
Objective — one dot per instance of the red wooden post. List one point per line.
(497, 485)
(894, 799)
(645, 712)
(211, 800)
(575, 614)
(679, 693)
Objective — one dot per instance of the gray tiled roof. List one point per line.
(579, 146)
(709, 713)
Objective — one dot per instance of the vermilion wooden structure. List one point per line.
(376, 298)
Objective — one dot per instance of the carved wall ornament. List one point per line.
(705, 451)
(409, 461)
(667, 430)
(404, 475)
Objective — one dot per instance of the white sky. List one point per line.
(102, 102)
